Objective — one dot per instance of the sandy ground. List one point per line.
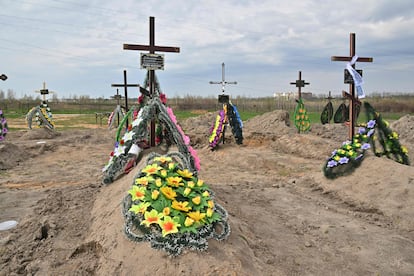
(286, 217)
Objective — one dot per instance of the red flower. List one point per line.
(112, 153)
(129, 127)
(163, 98)
(122, 142)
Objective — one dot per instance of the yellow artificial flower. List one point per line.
(166, 211)
(185, 173)
(187, 191)
(171, 166)
(210, 204)
(152, 217)
(404, 149)
(155, 194)
(151, 169)
(163, 173)
(168, 192)
(196, 200)
(196, 216)
(140, 208)
(181, 206)
(175, 181)
(200, 182)
(190, 184)
(205, 194)
(143, 180)
(188, 222)
(209, 212)
(158, 182)
(137, 192)
(169, 226)
(163, 159)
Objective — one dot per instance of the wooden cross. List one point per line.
(44, 92)
(125, 85)
(152, 48)
(299, 84)
(223, 82)
(351, 95)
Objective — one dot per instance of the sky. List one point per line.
(76, 46)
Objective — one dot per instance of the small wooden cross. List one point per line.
(152, 48)
(44, 92)
(125, 85)
(223, 82)
(351, 95)
(299, 84)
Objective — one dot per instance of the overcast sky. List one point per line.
(76, 46)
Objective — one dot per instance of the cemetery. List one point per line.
(139, 191)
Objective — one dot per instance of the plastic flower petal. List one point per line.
(200, 183)
(158, 182)
(332, 164)
(143, 180)
(190, 184)
(163, 173)
(151, 169)
(168, 192)
(181, 206)
(175, 181)
(166, 211)
(185, 173)
(152, 217)
(371, 124)
(119, 150)
(169, 226)
(140, 208)
(209, 212)
(365, 146)
(128, 136)
(187, 191)
(137, 192)
(197, 216)
(196, 200)
(163, 159)
(155, 194)
(210, 204)
(188, 222)
(343, 160)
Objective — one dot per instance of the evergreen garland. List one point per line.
(235, 123)
(341, 114)
(3, 126)
(327, 113)
(346, 159)
(301, 118)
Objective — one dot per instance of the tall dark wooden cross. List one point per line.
(152, 48)
(351, 94)
(125, 85)
(299, 84)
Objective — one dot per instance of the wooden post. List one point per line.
(125, 85)
(299, 84)
(351, 95)
(44, 92)
(117, 96)
(152, 48)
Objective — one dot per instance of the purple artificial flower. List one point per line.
(347, 142)
(361, 130)
(365, 146)
(371, 124)
(1, 111)
(332, 163)
(343, 160)
(334, 152)
(5, 130)
(370, 132)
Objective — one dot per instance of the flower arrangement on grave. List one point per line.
(42, 116)
(171, 208)
(118, 111)
(137, 132)
(350, 155)
(301, 118)
(216, 130)
(3, 126)
(229, 114)
(327, 113)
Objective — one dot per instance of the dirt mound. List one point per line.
(11, 155)
(39, 133)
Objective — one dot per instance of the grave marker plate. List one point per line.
(152, 61)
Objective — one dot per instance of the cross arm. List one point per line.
(360, 59)
(153, 48)
(123, 85)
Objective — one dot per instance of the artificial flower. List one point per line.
(188, 222)
(144, 180)
(196, 200)
(196, 216)
(185, 173)
(163, 159)
(151, 169)
(137, 192)
(168, 192)
(140, 208)
(152, 217)
(175, 181)
(155, 194)
(187, 191)
(181, 206)
(169, 226)
(166, 211)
